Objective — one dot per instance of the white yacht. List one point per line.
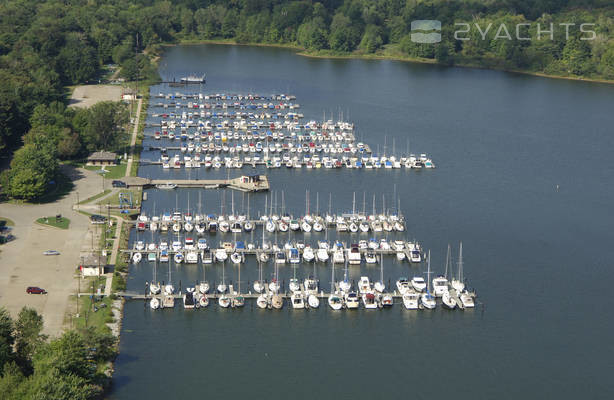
(458, 283)
(418, 283)
(403, 285)
(154, 303)
(335, 302)
(308, 254)
(224, 301)
(467, 299)
(136, 257)
(364, 285)
(411, 300)
(354, 256)
(352, 300)
(440, 285)
(371, 257)
(297, 300)
(322, 255)
(369, 301)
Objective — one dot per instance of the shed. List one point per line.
(93, 265)
(102, 158)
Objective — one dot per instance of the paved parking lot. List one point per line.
(23, 264)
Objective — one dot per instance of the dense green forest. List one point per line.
(64, 368)
(46, 46)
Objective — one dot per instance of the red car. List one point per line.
(35, 290)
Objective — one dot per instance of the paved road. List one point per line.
(22, 263)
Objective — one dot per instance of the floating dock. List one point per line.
(253, 183)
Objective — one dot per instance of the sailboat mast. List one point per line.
(460, 262)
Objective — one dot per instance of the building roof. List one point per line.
(102, 156)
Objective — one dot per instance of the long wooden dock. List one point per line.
(254, 183)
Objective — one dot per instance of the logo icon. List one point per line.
(425, 31)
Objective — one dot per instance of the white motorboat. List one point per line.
(322, 255)
(318, 227)
(354, 256)
(136, 257)
(403, 285)
(400, 256)
(335, 302)
(176, 245)
(313, 301)
(207, 256)
(411, 300)
(154, 303)
(280, 257)
(352, 300)
(140, 245)
(308, 254)
(467, 299)
(338, 256)
(387, 300)
(203, 301)
(188, 299)
(178, 258)
(191, 257)
(297, 300)
(440, 286)
(306, 227)
(293, 256)
(369, 301)
(418, 283)
(203, 287)
(371, 257)
(447, 301)
(364, 285)
(202, 244)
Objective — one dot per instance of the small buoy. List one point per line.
(557, 188)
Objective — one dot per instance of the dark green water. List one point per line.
(539, 258)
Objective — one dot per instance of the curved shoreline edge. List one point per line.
(300, 51)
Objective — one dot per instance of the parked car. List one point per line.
(118, 183)
(35, 290)
(98, 219)
(51, 253)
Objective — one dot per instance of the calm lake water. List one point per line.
(523, 180)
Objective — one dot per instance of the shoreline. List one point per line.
(300, 51)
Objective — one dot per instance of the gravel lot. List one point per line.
(88, 95)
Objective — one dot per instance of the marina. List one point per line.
(501, 144)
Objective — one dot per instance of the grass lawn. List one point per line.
(114, 172)
(95, 197)
(114, 200)
(87, 314)
(62, 223)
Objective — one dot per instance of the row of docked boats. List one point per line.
(202, 224)
(192, 252)
(238, 105)
(217, 162)
(271, 131)
(312, 151)
(192, 118)
(225, 96)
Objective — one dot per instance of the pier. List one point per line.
(254, 183)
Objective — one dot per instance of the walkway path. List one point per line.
(135, 132)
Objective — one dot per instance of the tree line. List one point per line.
(46, 46)
(31, 367)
